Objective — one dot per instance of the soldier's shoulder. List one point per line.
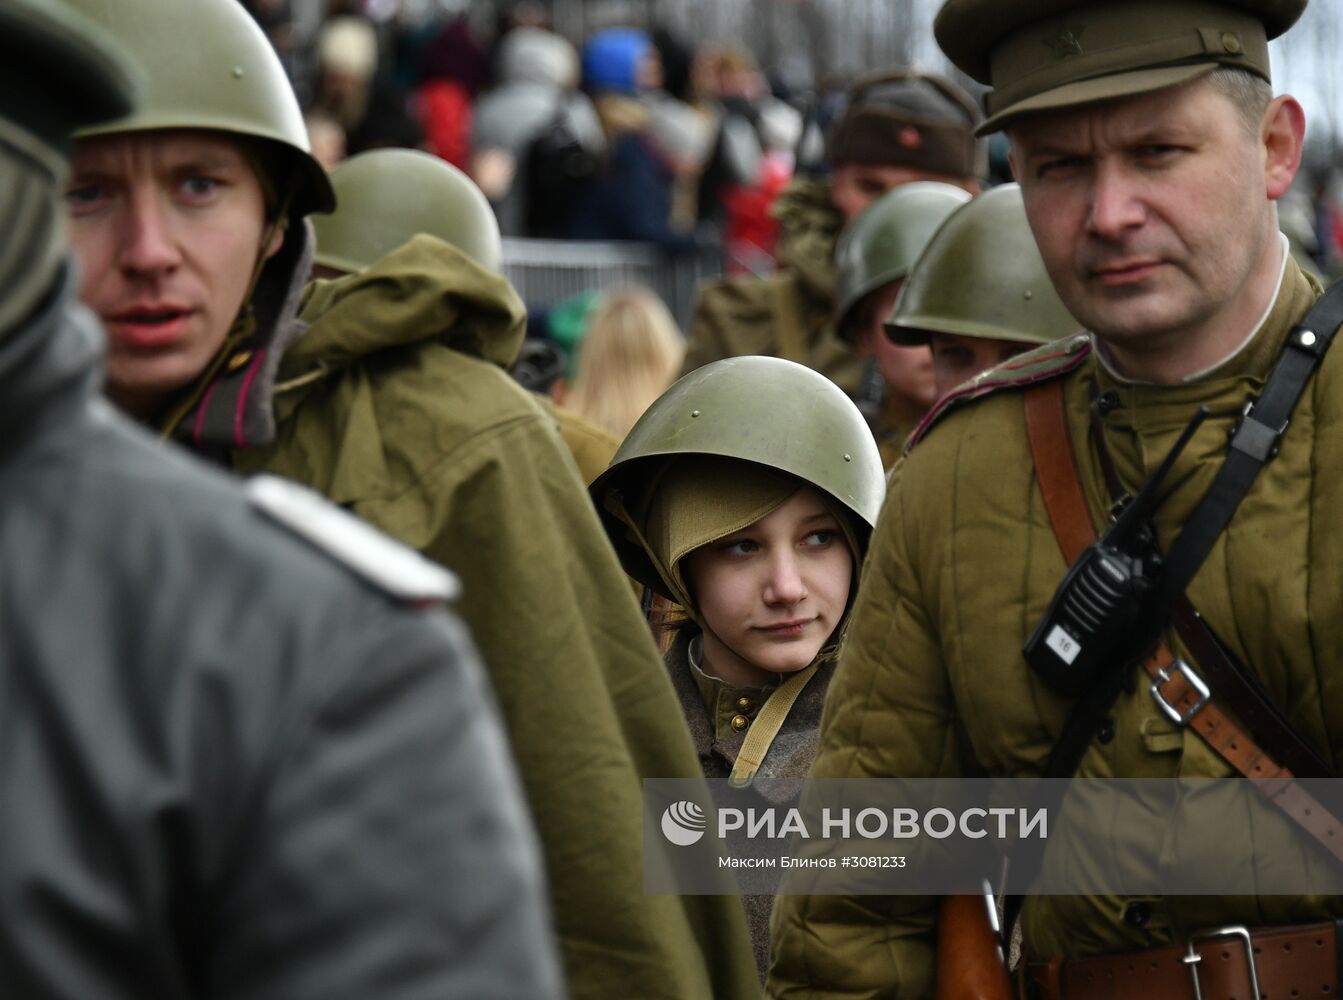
(592, 447)
(1049, 361)
(378, 560)
(741, 296)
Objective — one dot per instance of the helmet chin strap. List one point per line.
(32, 217)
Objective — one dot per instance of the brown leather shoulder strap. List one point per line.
(1056, 471)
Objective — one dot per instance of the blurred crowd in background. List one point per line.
(679, 144)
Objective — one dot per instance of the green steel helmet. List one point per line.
(59, 72)
(881, 245)
(981, 275)
(769, 411)
(387, 196)
(208, 66)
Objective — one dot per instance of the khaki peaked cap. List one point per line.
(1039, 55)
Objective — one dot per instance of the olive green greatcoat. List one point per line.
(964, 563)
(394, 404)
(789, 314)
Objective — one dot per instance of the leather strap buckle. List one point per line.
(1196, 682)
(1257, 439)
(1192, 959)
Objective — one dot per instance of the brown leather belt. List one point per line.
(1221, 964)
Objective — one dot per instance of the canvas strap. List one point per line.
(768, 722)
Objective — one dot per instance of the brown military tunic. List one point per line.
(962, 566)
(720, 716)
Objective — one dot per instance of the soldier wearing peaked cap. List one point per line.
(247, 751)
(1151, 153)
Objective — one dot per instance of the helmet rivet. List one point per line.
(848, 458)
(694, 413)
(237, 72)
(1028, 295)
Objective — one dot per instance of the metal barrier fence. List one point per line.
(546, 272)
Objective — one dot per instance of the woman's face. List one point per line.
(771, 594)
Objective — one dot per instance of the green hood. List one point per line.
(425, 290)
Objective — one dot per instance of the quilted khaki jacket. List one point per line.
(964, 563)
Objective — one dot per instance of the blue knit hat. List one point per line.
(611, 60)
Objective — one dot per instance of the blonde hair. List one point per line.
(631, 353)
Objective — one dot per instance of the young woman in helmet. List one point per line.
(746, 494)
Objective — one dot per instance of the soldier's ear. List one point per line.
(276, 239)
(1282, 135)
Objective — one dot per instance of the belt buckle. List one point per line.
(1192, 958)
(1196, 682)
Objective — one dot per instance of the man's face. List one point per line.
(907, 371)
(167, 227)
(1150, 212)
(854, 186)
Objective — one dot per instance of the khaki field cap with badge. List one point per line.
(1040, 55)
(908, 118)
(981, 275)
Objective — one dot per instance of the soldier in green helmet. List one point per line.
(1151, 153)
(219, 132)
(899, 126)
(385, 391)
(874, 255)
(407, 209)
(979, 294)
(746, 494)
(386, 194)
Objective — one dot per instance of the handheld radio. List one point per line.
(1097, 613)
